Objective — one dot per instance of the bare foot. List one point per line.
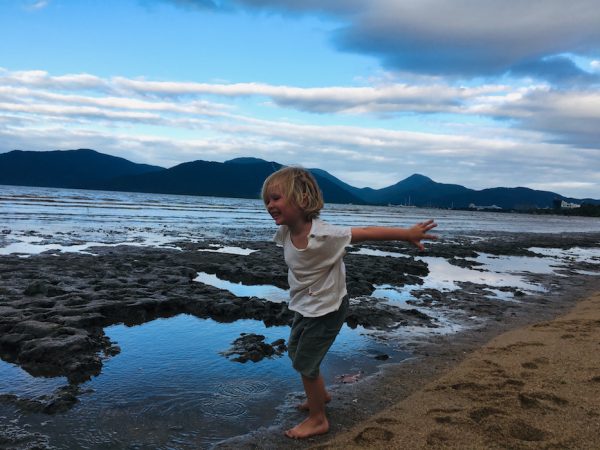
(309, 427)
(304, 406)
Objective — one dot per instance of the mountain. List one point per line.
(508, 198)
(240, 178)
(243, 178)
(417, 190)
(68, 168)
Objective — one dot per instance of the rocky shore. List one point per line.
(55, 306)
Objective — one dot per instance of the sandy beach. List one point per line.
(533, 387)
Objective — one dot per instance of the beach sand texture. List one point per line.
(536, 387)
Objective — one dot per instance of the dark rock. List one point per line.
(35, 328)
(464, 263)
(112, 351)
(372, 313)
(60, 400)
(251, 347)
(12, 341)
(39, 287)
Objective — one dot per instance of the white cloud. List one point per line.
(41, 79)
(566, 116)
(166, 123)
(37, 5)
(389, 97)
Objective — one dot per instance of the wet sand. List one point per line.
(534, 387)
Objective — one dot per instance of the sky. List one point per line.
(480, 93)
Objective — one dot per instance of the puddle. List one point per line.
(35, 245)
(29, 245)
(498, 272)
(183, 393)
(578, 254)
(229, 250)
(516, 264)
(443, 276)
(373, 252)
(398, 296)
(265, 291)
(15, 380)
(587, 272)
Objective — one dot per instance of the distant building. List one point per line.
(568, 205)
(561, 204)
(479, 208)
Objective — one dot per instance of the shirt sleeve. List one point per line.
(331, 241)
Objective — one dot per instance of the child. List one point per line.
(313, 251)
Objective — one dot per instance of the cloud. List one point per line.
(166, 123)
(362, 157)
(385, 98)
(463, 38)
(558, 69)
(469, 38)
(571, 117)
(37, 5)
(41, 79)
(567, 116)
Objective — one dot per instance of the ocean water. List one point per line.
(185, 393)
(77, 216)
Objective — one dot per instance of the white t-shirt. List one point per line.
(316, 274)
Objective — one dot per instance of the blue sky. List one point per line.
(483, 94)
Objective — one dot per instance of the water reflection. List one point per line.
(266, 291)
(170, 387)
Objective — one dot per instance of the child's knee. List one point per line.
(307, 372)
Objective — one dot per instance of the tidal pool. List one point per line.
(170, 387)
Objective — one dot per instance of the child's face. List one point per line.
(281, 209)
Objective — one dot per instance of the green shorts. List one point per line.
(311, 338)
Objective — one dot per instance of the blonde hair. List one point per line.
(299, 187)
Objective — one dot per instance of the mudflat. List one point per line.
(55, 306)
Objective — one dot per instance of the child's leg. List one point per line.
(305, 407)
(316, 423)
(311, 339)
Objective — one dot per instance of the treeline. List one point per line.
(586, 209)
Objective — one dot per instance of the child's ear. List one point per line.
(304, 201)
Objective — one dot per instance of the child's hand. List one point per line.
(418, 232)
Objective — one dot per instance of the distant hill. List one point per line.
(243, 178)
(240, 178)
(65, 168)
(89, 169)
(416, 190)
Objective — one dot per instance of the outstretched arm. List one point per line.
(413, 235)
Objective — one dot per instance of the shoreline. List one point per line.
(360, 413)
(537, 386)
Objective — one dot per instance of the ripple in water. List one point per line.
(243, 388)
(223, 407)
